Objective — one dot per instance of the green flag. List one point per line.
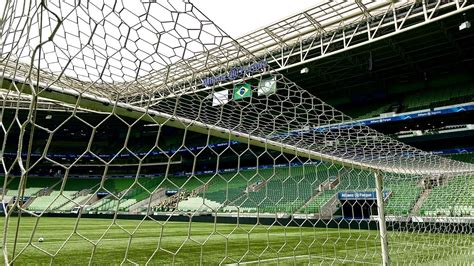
(242, 91)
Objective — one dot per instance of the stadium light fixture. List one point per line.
(466, 24)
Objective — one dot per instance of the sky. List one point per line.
(235, 17)
(239, 17)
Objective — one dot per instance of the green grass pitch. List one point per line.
(104, 242)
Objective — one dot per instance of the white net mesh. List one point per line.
(135, 115)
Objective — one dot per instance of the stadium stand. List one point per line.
(198, 203)
(463, 157)
(112, 204)
(28, 191)
(79, 184)
(42, 182)
(227, 186)
(439, 97)
(264, 190)
(403, 196)
(356, 180)
(52, 201)
(283, 189)
(76, 201)
(314, 205)
(450, 199)
(368, 111)
(410, 97)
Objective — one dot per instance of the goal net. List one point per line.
(139, 132)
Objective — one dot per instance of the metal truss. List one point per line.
(325, 30)
(14, 101)
(355, 32)
(322, 31)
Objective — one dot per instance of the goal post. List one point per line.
(381, 217)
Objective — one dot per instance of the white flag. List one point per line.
(267, 86)
(220, 97)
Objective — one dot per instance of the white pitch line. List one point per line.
(299, 257)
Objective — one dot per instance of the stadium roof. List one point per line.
(158, 67)
(166, 60)
(238, 19)
(307, 36)
(321, 19)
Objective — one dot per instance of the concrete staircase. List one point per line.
(308, 201)
(330, 207)
(423, 196)
(153, 200)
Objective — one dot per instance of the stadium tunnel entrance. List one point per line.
(359, 204)
(358, 209)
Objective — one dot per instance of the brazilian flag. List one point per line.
(242, 90)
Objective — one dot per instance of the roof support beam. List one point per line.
(314, 22)
(363, 8)
(274, 37)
